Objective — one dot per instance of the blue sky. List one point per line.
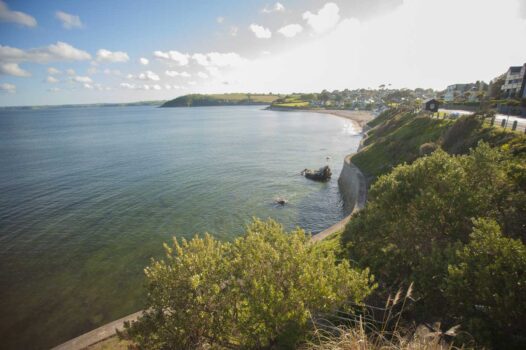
(57, 52)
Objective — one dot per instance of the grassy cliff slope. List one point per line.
(400, 136)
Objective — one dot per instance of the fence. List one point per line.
(505, 122)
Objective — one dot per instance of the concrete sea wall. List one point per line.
(353, 187)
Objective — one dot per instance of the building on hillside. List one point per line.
(514, 85)
(430, 105)
(455, 91)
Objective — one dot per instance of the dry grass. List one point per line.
(365, 333)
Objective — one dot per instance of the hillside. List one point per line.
(445, 215)
(400, 136)
(237, 99)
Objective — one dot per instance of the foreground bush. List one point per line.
(487, 285)
(419, 222)
(261, 291)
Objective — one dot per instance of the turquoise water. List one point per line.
(88, 195)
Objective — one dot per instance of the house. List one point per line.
(514, 85)
(456, 90)
(431, 105)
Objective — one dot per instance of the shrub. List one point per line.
(427, 148)
(261, 290)
(455, 139)
(487, 285)
(420, 215)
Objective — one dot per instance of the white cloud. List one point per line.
(13, 69)
(128, 86)
(218, 59)
(202, 75)
(53, 89)
(181, 59)
(156, 87)
(104, 55)
(192, 83)
(220, 20)
(92, 70)
(56, 52)
(53, 71)
(8, 88)
(148, 75)
(115, 72)
(260, 32)
(71, 72)
(52, 80)
(201, 59)
(326, 18)
(144, 61)
(168, 87)
(234, 30)
(82, 79)
(291, 30)
(277, 7)
(213, 71)
(173, 74)
(412, 62)
(68, 20)
(7, 15)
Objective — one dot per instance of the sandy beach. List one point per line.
(360, 118)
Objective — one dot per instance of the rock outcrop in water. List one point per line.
(322, 174)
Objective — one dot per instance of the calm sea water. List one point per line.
(88, 195)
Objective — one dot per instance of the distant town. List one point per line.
(505, 94)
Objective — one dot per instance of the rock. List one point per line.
(322, 174)
(281, 201)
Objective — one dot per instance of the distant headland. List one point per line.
(233, 99)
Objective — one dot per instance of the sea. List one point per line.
(88, 195)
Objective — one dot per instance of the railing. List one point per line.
(501, 121)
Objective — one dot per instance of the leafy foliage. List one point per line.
(420, 215)
(487, 284)
(260, 291)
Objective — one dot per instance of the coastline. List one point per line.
(358, 118)
(354, 186)
(352, 182)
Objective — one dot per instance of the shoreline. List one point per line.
(359, 119)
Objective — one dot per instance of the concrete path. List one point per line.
(97, 335)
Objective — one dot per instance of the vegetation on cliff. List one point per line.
(198, 100)
(453, 222)
(400, 135)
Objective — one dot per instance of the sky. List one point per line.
(100, 51)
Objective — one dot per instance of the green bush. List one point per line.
(420, 215)
(487, 285)
(260, 291)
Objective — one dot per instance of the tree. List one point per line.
(486, 285)
(261, 290)
(419, 215)
(325, 96)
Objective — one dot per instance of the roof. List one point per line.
(515, 69)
